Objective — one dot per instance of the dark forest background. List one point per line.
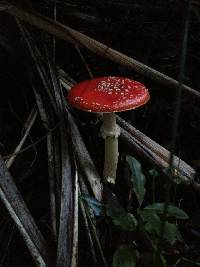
(35, 69)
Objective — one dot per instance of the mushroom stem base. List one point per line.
(111, 159)
(110, 132)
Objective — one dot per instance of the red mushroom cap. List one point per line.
(108, 94)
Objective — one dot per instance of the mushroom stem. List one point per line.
(110, 132)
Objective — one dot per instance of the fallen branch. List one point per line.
(66, 33)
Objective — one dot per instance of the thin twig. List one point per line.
(84, 62)
(30, 122)
(31, 145)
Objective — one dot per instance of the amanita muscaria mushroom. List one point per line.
(109, 95)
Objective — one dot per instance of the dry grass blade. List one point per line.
(84, 160)
(19, 212)
(37, 60)
(54, 171)
(30, 122)
(74, 262)
(51, 145)
(84, 62)
(66, 33)
(65, 236)
(61, 173)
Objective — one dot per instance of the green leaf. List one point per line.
(151, 221)
(154, 173)
(125, 256)
(172, 233)
(121, 218)
(152, 224)
(172, 211)
(137, 178)
(126, 222)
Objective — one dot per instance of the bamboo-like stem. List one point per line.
(66, 33)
